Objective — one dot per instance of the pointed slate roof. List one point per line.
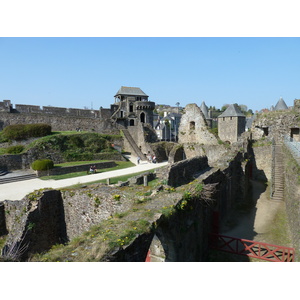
(204, 109)
(281, 105)
(232, 111)
(134, 91)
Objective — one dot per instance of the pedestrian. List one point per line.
(138, 160)
(154, 159)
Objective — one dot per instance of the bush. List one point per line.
(15, 149)
(42, 164)
(14, 132)
(37, 130)
(22, 132)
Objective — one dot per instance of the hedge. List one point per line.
(42, 164)
(24, 131)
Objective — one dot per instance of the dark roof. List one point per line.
(204, 109)
(232, 111)
(281, 105)
(134, 91)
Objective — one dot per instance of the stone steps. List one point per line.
(17, 178)
(278, 177)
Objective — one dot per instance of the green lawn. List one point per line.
(120, 165)
(78, 163)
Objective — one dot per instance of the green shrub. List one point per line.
(37, 130)
(76, 141)
(15, 149)
(42, 164)
(14, 132)
(96, 144)
(22, 132)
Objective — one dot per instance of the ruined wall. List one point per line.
(262, 157)
(184, 171)
(193, 127)
(277, 124)
(213, 152)
(50, 216)
(35, 224)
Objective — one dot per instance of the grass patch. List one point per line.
(120, 165)
(78, 163)
(279, 233)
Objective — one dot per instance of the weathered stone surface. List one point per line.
(276, 124)
(184, 171)
(193, 127)
(36, 223)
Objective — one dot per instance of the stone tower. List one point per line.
(132, 107)
(231, 124)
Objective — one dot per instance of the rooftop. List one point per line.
(232, 111)
(281, 105)
(134, 91)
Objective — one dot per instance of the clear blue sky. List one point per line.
(87, 72)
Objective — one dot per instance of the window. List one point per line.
(192, 125)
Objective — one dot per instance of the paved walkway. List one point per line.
(18, 190)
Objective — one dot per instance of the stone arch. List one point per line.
(131, 122)
(177, 154)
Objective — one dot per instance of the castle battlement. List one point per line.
(6, 106)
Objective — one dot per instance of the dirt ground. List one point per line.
(254, 223)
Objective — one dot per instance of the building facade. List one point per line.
(231, 124)
(132, 107)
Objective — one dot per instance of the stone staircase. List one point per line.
(277, 174)
(3, 172)
(6, 177)
(134, 146)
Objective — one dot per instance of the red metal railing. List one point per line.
(251, 248)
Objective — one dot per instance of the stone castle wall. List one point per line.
(60, 118)
(57, 122)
